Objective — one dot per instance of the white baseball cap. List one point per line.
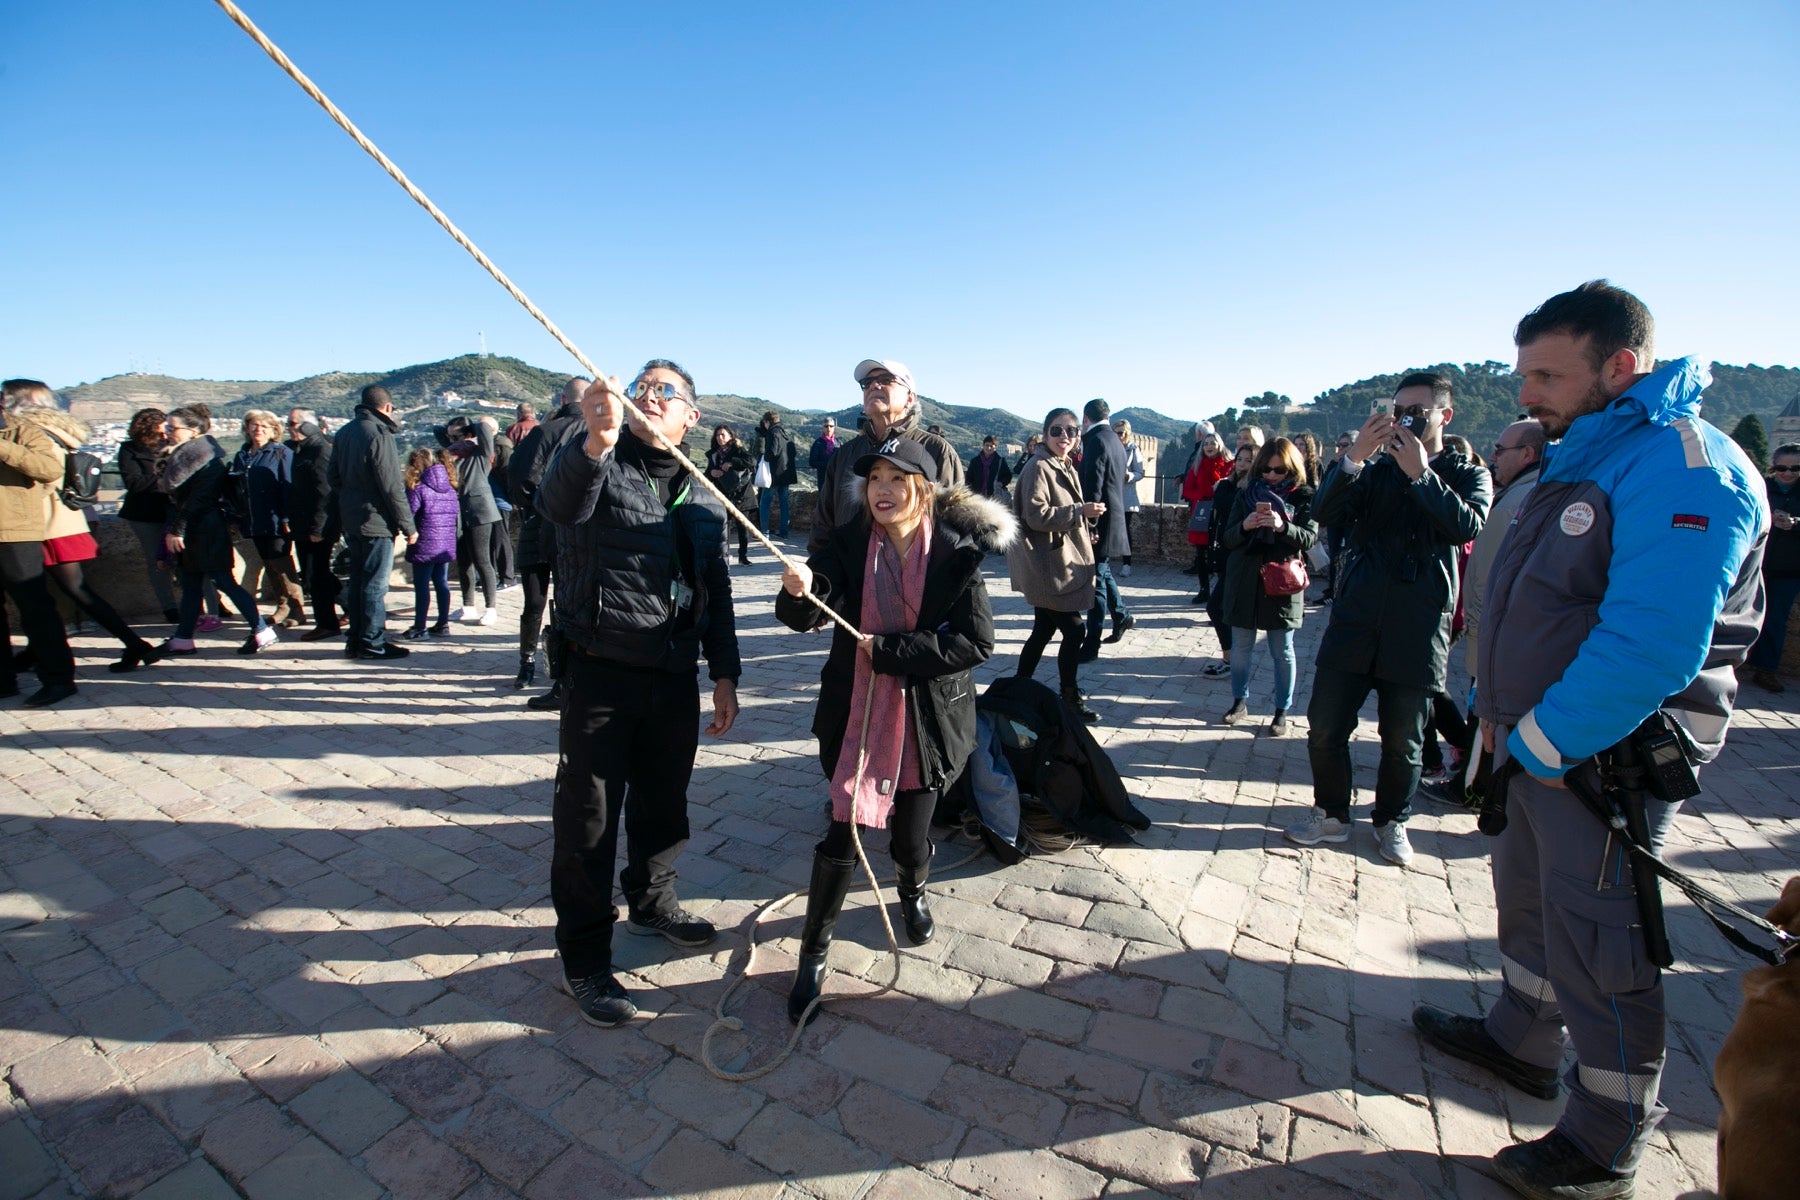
(869, 366)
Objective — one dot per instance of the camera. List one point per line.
(1414, 418)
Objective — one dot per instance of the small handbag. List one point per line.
(1284, 578)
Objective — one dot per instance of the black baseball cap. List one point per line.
(902, 452)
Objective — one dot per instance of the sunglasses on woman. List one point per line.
(1064, 431)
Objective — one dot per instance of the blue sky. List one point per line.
(1174, 205)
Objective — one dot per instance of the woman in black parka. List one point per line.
(728, 465)
(907, 572)
(193, 475)
(1270, 521)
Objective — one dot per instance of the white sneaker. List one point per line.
(464, 614)
(1318, 828)
(1125, 570)
(490, 617)
(1394, 846)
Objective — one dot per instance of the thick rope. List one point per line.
(343, 122)
(724, 1023)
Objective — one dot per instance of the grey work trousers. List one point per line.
(1573, 958)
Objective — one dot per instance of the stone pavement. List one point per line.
(278, 927)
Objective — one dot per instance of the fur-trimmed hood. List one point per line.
(69, 431)
(974, 518)
(185, 460)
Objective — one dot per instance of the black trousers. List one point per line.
(22, 573)
(474, 564)
(500, 550)
(315, 575)
(1337, 697)
(909, 831)
(626, 748)
(1447, 721)
(534, 582)
(1044, 623)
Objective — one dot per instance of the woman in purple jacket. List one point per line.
(431, 493)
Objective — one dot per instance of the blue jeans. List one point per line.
(1781, 594)
(1106, 600)
(427, 578)
(1331, 718)
(768, 494)
(365, 599)
(1243, 663)
(193, 583)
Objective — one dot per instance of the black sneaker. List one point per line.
(679, 927)
(1467, 1038)
(550, 701)
(1553, 1168)
(601, 1000)
(1121, 627)
(1216, 670)
(387, 650)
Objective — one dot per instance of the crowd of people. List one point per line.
(1550, 560)
(1583, 643)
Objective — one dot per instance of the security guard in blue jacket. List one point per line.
(1627, 587)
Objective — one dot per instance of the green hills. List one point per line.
(1487, 396)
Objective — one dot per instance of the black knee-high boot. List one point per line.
(824, 900)
(913, 909)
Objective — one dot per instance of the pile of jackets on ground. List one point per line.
(1037, 780)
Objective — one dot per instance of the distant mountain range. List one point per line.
(1487, 396)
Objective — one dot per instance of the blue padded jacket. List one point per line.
(1628, 581)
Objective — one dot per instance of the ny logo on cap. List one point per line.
(889, 446)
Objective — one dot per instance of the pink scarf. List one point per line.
(890, 756)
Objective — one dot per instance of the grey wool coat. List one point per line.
(1052, 559)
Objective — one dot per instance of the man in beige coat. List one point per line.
(31, 465)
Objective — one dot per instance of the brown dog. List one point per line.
(1757, 1077)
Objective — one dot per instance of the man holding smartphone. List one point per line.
(1407, 513)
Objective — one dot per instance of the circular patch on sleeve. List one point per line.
(1577, 519)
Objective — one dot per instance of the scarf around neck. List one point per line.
(893, 591)
(1278, 499)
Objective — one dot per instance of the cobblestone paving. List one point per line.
(278, 927)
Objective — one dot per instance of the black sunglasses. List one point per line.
(1065, 431)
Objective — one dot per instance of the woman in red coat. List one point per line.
(1206, 466)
